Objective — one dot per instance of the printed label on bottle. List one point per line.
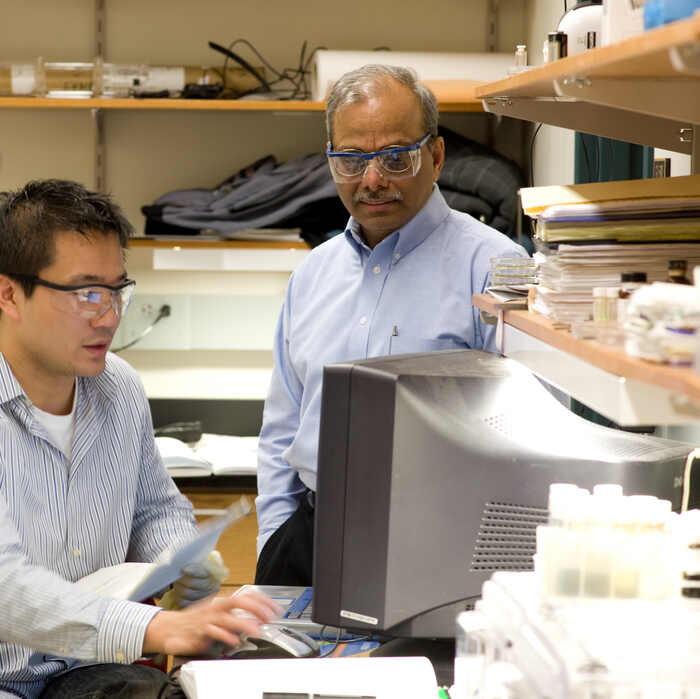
(164, 78)
(23, 81)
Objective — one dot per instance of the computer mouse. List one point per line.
(275, 642)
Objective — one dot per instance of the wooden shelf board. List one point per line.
(643, 56)
(611, 359)
(189, 243)
(452, 95)
(151, 104)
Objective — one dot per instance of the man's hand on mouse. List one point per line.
(193, 630)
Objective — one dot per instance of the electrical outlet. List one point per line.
(171, 332)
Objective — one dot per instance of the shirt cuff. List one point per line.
(120, 636)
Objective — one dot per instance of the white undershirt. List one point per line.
(59, 427)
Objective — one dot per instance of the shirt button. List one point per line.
(63, 650)
(76, 553)
(377, 269)
(119, 656)
(363, 320)
(397, 255)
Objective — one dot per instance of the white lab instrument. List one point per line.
(328, 66)
(380, 678)
(515, 645)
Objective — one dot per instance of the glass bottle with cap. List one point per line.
(613, 294)
(678, 272)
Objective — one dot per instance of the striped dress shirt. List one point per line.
(61, 519)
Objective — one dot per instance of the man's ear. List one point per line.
(9, 296)
(437, 148)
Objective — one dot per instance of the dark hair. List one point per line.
(31, 217)
(365, 82)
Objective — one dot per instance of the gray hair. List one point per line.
(361, 84)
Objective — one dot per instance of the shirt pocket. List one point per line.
(410, 344)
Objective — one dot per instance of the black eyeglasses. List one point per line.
(89, 301)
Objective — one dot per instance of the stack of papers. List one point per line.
(620, 221)
(536, 199)
(589, 235)
(569, 273)
(630, 210)
(213, 454)
(514, 296)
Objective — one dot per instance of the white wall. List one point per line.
(553, 161)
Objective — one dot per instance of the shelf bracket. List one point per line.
(491, 25)
(98, 150)
(99, 28)
(674, 98)
(595, 119)
(685, 58)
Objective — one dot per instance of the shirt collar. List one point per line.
(10, 388)
(412, 233)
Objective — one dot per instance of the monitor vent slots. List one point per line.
(506, 538)
(501, 423)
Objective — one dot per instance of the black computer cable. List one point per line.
(163, 312)
(296, 77)
(242, 62)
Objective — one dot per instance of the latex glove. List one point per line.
(198, 580)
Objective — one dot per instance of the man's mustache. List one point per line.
(376, 197)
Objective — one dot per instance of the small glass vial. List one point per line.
(612, 294)
(600, 304)
(678, 272)
(557, 45)
(520, 63)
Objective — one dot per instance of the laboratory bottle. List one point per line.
(678, 272)
(557, 564)
(598, 546)
(629, 283)
(612, 294)
(17, 79)
(600, 304)
(630, 552)
(690, 558)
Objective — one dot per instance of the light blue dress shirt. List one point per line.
(411, 293)
(61, 520)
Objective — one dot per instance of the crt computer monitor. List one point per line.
(434, 472)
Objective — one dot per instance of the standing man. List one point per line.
(399, 280)
(81, 483)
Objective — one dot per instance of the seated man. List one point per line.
(81, 483)
(399, 280)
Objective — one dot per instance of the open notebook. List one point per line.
(213, 454)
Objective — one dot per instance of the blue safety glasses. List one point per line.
(392, 163)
